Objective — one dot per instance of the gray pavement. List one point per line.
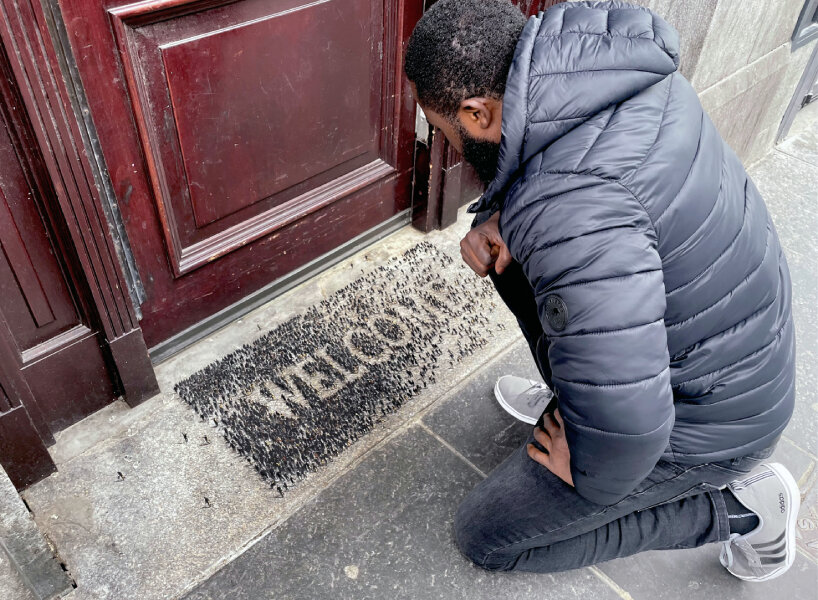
(383, 530)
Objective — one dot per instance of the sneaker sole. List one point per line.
(509, 409)
(794, 499)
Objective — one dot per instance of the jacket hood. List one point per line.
(571, 62)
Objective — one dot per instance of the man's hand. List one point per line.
(552, 438)
(482, 248)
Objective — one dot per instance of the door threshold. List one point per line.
(224, 317)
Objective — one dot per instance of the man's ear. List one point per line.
(476, 112)
(482, 117)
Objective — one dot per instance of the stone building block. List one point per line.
(731, 39)
(749, 106)
(729, 88)
(744, 106)
(759, 145)
(777, 27)
(739, 119)
(30, 559)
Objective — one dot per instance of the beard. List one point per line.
(480, 154)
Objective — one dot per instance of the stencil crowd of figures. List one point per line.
(300, 394)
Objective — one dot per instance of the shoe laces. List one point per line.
(534, 391)
(535, 388)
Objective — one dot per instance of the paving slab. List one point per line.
(803, 146)
(807, 526)
(130, 518)
(790, 189)
(473, 422)
(27, 558)
(384, 530)
(697, 575)
(12, 585)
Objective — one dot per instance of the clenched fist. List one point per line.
(483, 249)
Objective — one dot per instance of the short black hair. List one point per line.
(461, 49)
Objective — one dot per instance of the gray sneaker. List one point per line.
(524, 399)
(769, 492)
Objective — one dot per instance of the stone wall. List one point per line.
(737, 54)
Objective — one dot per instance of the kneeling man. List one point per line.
(647, 277)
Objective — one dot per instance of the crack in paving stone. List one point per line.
(301, 393)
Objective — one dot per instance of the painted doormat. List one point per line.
(297, 396)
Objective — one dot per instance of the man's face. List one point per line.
(474, 132)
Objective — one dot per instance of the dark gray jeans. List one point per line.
(524, 518)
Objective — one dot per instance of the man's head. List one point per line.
(457, 60)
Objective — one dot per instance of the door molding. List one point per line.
(82, 111)
(36, 69)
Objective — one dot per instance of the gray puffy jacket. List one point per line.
(660, 282)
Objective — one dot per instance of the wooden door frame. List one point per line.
(27, 31)
(443, 182)
(22, 442)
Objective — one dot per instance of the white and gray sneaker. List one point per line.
(771, 494)
(524, 399)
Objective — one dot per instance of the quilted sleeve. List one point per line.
(588, 249)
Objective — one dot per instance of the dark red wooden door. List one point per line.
(244, 139)
(53, 371)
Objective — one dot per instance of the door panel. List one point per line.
(256, 123)
(36, 302)
(22, 454)
(23, 432)
(240, 149)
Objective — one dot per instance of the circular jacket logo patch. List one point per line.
(556, 312)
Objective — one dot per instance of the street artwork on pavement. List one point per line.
(303, 392)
